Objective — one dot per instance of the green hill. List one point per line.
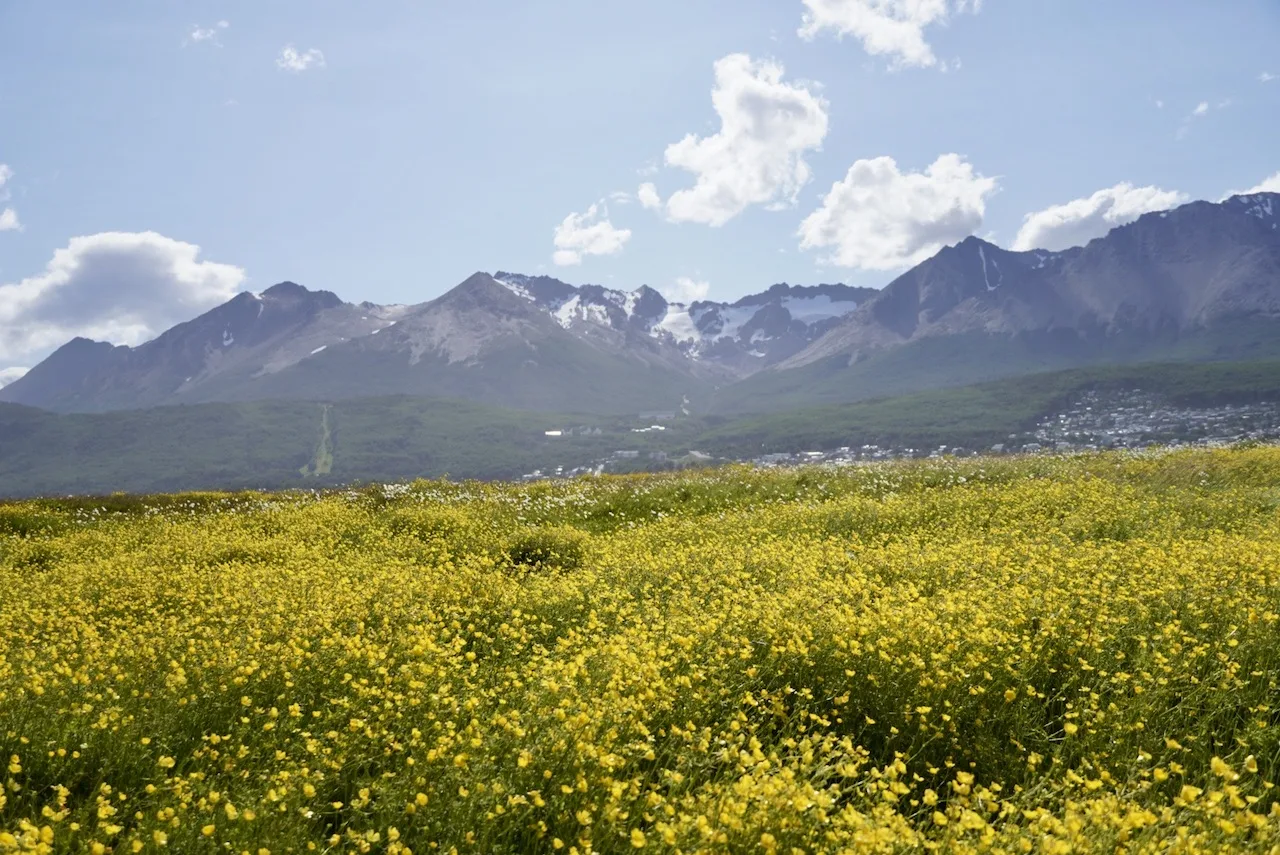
(986, 413)
(279, 444)
(964, 359)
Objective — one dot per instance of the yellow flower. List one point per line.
(637, 838)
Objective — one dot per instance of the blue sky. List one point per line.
(386, 150)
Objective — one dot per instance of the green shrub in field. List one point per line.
(556, 548)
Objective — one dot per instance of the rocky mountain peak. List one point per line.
(291, 293)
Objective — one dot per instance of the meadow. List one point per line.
(1049, 654)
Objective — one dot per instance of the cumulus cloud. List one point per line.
(891, 28)
(1271, 184)
(756, 158)
(648, 196)
(206, 34)
(8, 375)
(687, 290)
(123, 287)
(291, 60)
(588, 234)
(8, 216)
(880, 218)
(1079, 221)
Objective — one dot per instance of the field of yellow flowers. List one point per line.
(1054, 654)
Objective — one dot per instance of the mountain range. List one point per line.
(1196, 283)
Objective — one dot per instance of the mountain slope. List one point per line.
(731, 339)
(531, 342)
(1181, 269)
(1200, 281)
(482, 342)
(251, 335)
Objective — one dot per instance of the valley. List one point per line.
(290, 444)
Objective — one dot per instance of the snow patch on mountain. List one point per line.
(517, 287)
(677, 323)
(575, 309)
(820, 307)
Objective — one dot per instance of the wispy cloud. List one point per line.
(210, 35)
(890, 28)
(1200, 110)
(1267, 77)
(290, 59)
(9, 221)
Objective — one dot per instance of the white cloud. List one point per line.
(621, 197)
(291, 60)
(206, 34)
(879, 218)
(1079, 221)
(687, 290)
(588, 234)
(1267, 77)
(1201, 109)
(8, 375)
(756, 158)
(1159, 104)
(648, 196)
(123, 287)
(892, 28)
(1270, 184)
